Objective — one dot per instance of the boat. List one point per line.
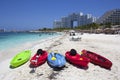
(56, 60)
(97, 59)
(77, 59)
(20, 58)
(39, 58)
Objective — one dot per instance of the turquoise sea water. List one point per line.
(14, 39)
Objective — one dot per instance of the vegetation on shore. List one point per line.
(89, 28)
(84, 27)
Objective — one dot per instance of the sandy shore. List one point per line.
(105, 45)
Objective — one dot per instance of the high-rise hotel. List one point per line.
(112, 16)
(79, 18)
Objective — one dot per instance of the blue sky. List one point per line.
(35, 14)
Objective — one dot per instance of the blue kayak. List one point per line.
(56, 60)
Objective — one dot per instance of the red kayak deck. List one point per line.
(97, 59)
(38, 60)
(77, 60)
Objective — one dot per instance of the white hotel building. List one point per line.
(69, 21)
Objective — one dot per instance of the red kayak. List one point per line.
(77, 60)
(97, 59)
(39, 59)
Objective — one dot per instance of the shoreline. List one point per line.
(9, 53)
(34, 47)
(93, 42)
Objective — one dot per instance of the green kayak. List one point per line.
(20, 58)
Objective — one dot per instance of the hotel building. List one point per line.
(79, 18)
(112, 16)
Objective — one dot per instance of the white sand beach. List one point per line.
(105, 45)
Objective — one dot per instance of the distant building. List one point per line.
(112, 16)
(57, 24)
(2, 30)
(68, 22)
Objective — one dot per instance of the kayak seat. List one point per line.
(73, 52)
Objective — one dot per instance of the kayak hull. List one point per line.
(77, 60)
(34, 61)
(97, 59)
(20, 58)
(59, 62)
